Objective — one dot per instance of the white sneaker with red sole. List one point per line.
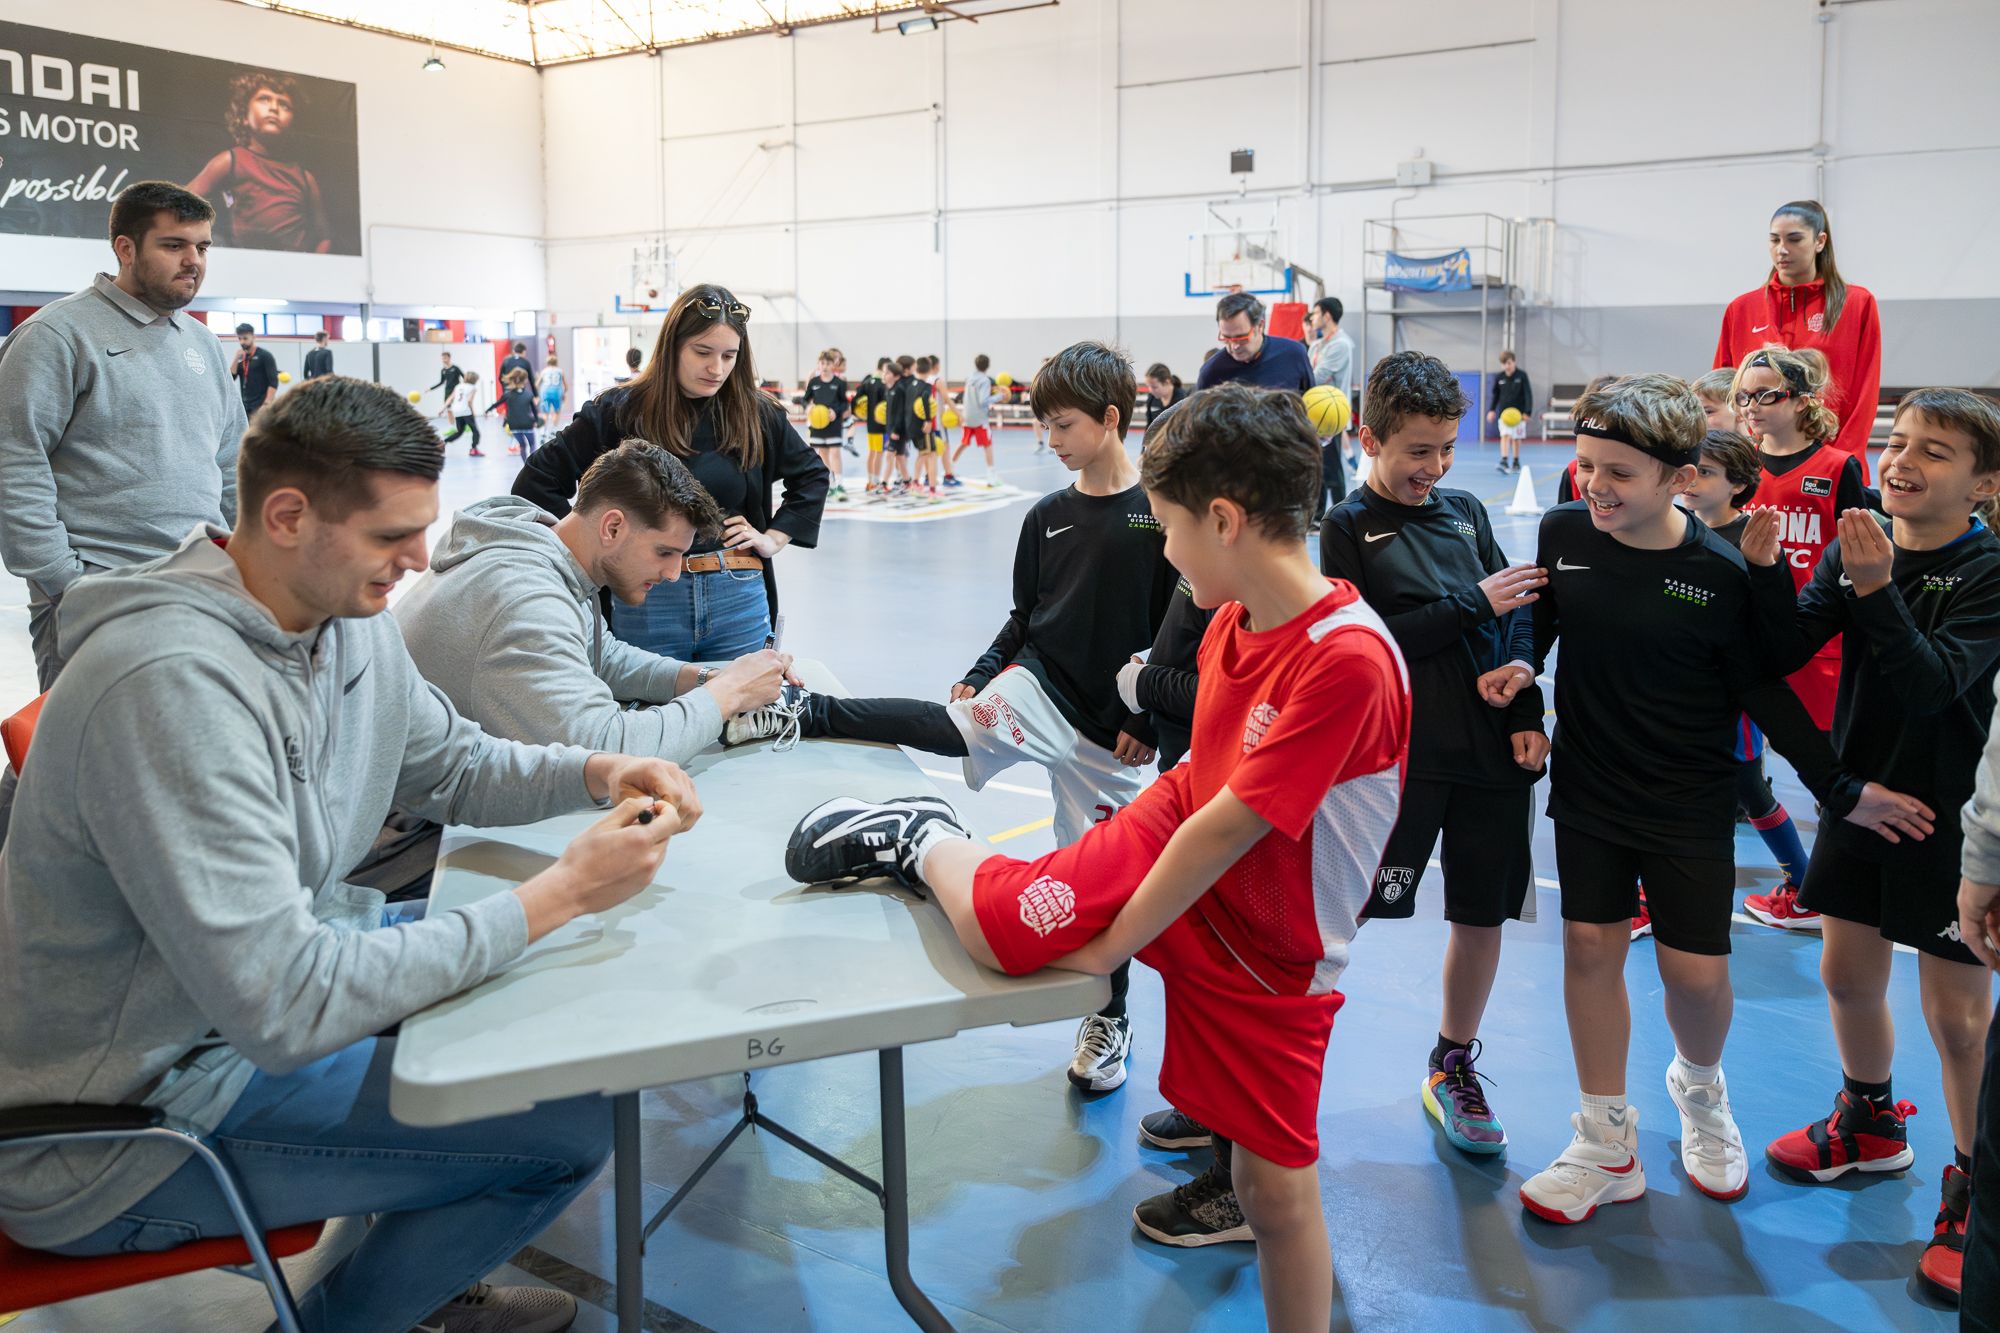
(1594, 1170)
(1711, 1145)
(1780, 908)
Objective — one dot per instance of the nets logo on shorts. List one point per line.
(1261, 718)
(1392, 882)
(1047, 906)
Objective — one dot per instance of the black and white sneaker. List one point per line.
(1204, 1211)
(1172, 1130)
(780, 719)
(1101, 1047)
(851, 839)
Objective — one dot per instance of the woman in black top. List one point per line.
(698, 398)
(1163, 390)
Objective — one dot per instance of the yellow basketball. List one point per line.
(949, 419)
(1004, 380)
(921, 407)
(881, 414)
(1329, 409)
(284, 377)
(416, 397)
(1511, 418)
(819, 416)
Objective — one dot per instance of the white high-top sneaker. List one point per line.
(1600, 1166)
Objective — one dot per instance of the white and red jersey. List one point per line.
(1308, 724)
(1807, 496)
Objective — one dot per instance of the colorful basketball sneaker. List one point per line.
(1780, 908)
(1856, 1137)
(1600, 1166)
(1938, 1269)
(1453, 1097)
(1711, 1145)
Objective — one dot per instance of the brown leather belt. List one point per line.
(714, 561)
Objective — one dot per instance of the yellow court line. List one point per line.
(1041, 823)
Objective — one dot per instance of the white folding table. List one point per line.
(721, 965)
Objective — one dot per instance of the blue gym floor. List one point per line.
(1021, 1191)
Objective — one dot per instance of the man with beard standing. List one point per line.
(122, 425)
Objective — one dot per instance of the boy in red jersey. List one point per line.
(1240, 874)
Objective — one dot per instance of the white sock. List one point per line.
(1694, 1073)
(927, 839)
(1605, 1112)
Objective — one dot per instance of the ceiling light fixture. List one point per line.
(434, 65)
(924, 24)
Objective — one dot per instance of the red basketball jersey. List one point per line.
(1807, 523)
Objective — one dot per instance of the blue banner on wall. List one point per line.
(1434, 273)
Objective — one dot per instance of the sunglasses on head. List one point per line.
(715, 309)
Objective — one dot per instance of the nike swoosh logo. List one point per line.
(1625, 1170)
(1055, 532)
(116, 351)
(1566, 568)
(1846, 582)
(1760, 328)
(1376, 536)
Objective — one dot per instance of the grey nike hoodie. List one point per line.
(172, 912)
(507, 624)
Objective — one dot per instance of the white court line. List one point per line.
(1552, 886)
(997, 786)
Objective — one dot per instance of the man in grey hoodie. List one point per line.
(121, 424)
(507, 622)
(230, 730)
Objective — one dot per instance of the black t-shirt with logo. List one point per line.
(1091, 585)
(1419, 567)
(1660, 651)
(832, 395)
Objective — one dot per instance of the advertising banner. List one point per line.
(83, 117)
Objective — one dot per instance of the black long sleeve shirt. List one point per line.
(897, 427)
(1168, 682)
(1091, 586)
(1916, 673)
(1419, 567)
(550, 475)
(1660, 651)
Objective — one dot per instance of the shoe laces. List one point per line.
(1465, 1080)
(1099, 1036)
(1206, 1189)
(783, 718)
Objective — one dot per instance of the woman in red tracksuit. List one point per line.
(1805, 304)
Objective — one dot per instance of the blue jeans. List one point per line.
(714, 617)
(455, 1202)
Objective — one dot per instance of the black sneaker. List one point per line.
(1101, 1047)
(780, 718)
(851, 839)
(1202, 1212)
(1171, 1130)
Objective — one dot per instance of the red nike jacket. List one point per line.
(1796, 317)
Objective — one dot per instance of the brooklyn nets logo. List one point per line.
(1047, 906)
(1392, 882)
